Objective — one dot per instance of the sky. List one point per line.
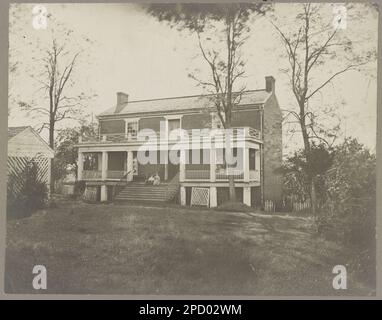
(132, 52)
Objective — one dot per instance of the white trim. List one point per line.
(173, 117)
(132, 119)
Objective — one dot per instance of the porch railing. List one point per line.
(91, 174)
(197, 174)
(97, 174)
(223, 175)
(115, 174)
(254, 175)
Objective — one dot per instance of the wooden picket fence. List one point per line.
(301, 206)
(295, 206)
(269, 206)
(90, 194)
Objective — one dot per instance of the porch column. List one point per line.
(213, 197)
(99, 159)
(104, 165)
(166, 171)
(183, 196)
(257, 160)
(246, 164)
(182, 165)
(212, 164)
(130, 165)
(103, 193)
(247, 196)
(80, 165)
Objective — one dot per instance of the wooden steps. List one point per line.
(140, 192)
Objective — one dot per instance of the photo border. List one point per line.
(4, 29)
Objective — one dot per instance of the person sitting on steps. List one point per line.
(150, 180)
(156, 181)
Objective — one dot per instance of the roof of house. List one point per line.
(25, 141)
(252, 97)
(14, 131)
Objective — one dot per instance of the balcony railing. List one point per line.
(219, 134)
(254, 175)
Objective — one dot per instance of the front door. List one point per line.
(135, 163)
(173, 169)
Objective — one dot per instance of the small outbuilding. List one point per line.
(25, 145)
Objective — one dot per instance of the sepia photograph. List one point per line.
(192, 149)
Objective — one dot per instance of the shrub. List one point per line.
(79, 188)
(32, 195)
(350, 204)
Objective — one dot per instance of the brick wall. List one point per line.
(196, 121)
(149, 169)
(150, 123)
(246, 118)
(117, 161)
(112, 126)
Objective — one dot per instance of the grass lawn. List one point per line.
(120, 249)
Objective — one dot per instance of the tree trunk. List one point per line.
(232, 191)
(313, 197)
(228, 163)
(51, 144)
(305, 136)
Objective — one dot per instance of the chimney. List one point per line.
(270, 84)
(122, 100)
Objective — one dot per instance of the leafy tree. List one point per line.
(311, 46)
(66, 152)
(351, 182)
(297, 170)
(351, 202)
(221, 30)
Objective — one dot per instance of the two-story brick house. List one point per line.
(111, 165)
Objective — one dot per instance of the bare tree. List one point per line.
(54, 82)
(60, 106)
(308, 48)
(221, 30)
